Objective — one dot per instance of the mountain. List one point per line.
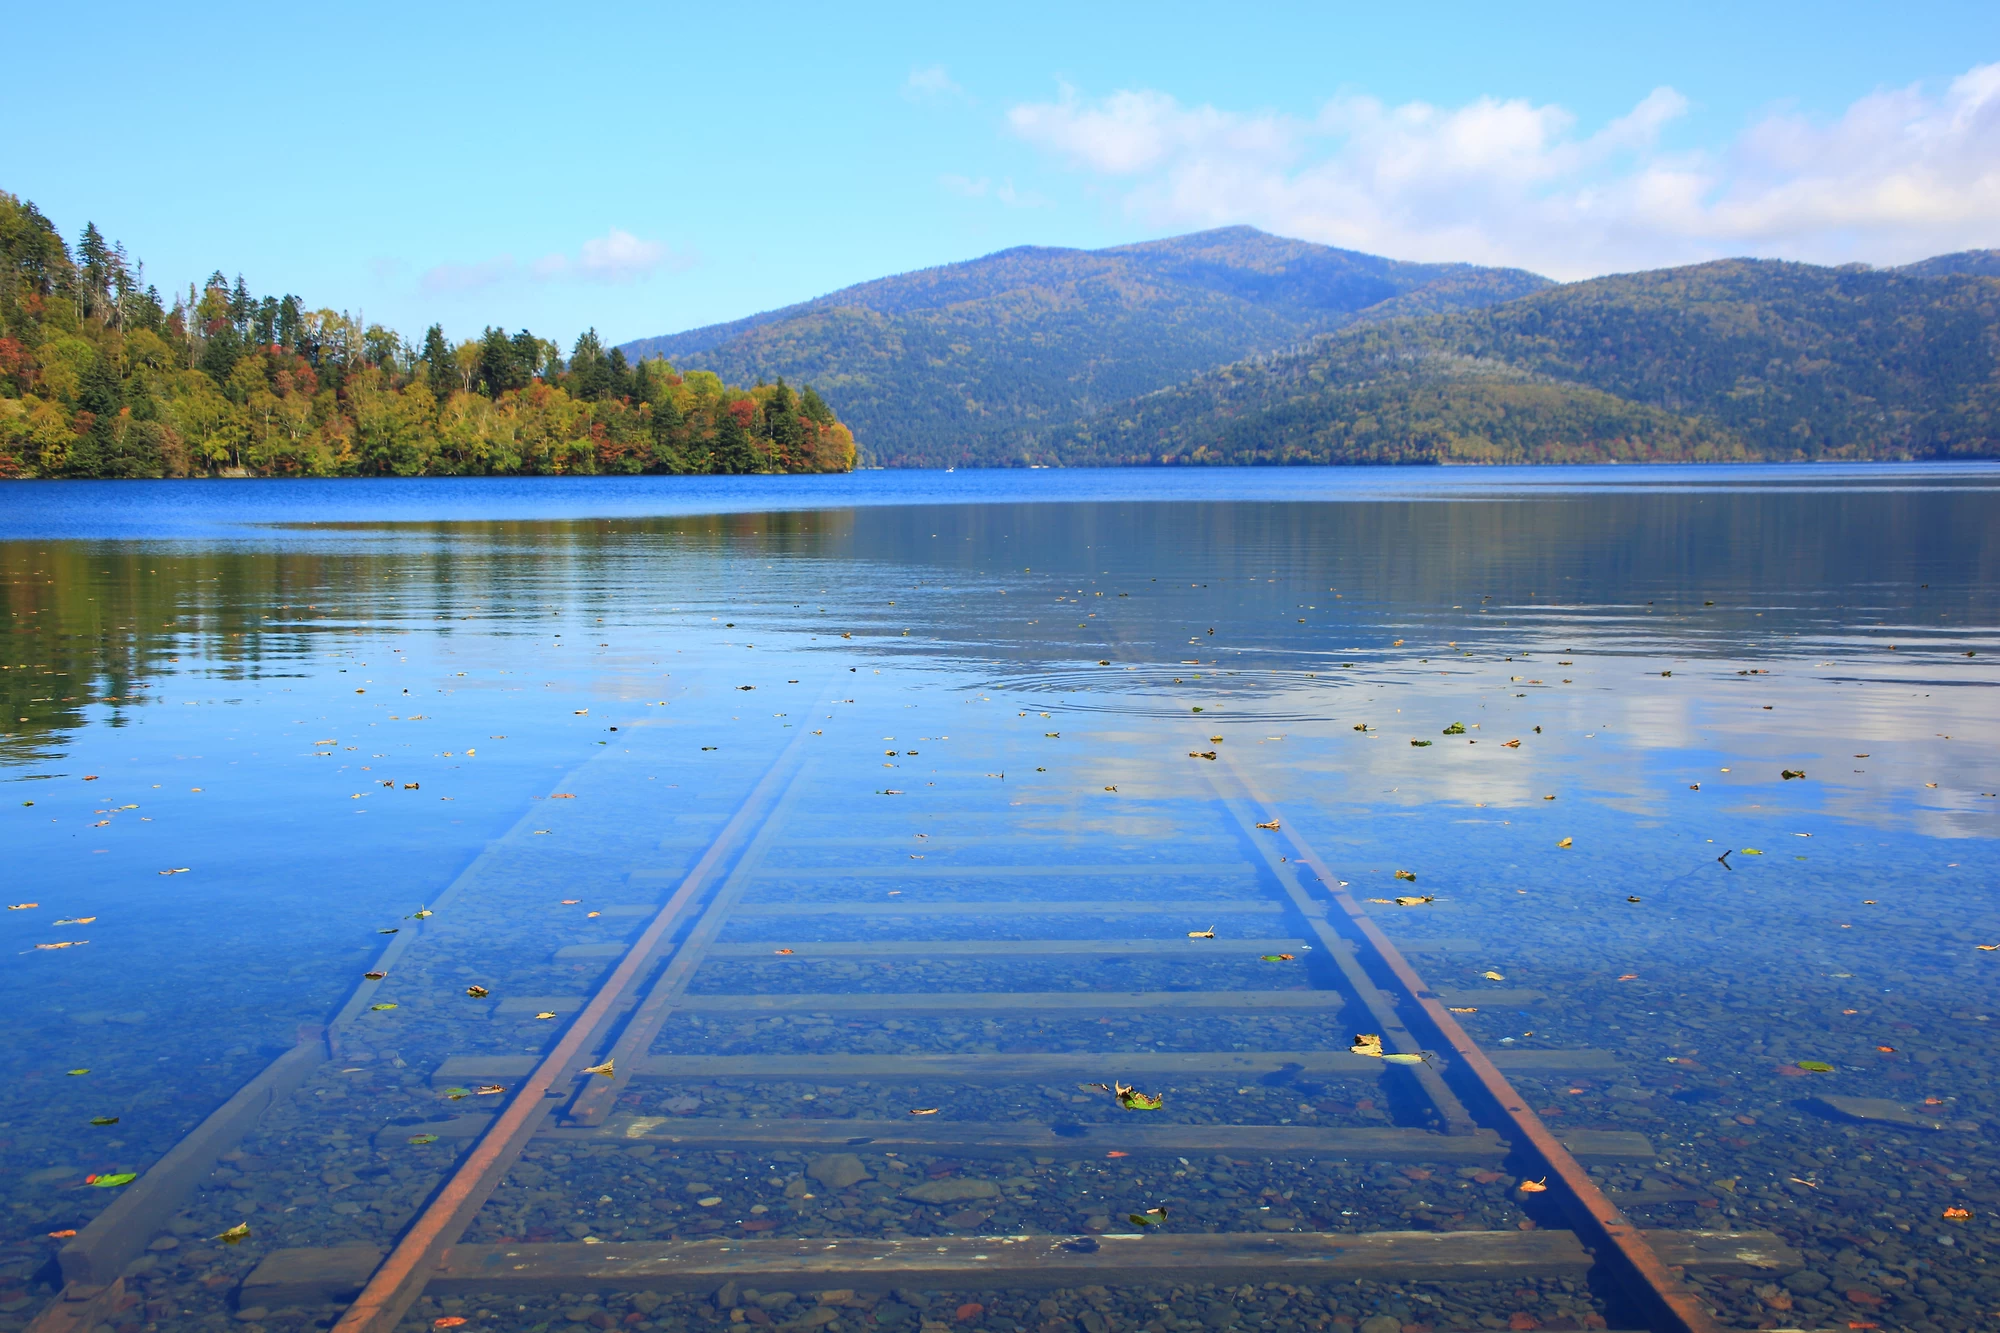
(1974, 263)
(1738, 359)
(972, 363)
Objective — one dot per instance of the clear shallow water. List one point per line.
(220, 680)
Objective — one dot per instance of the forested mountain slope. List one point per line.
(971, 363)
(1739, 359)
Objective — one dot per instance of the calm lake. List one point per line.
(1690, 774)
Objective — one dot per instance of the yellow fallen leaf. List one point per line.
(604, 1069)
(1272, 824)
(1415, 902)
(1464, 1009)
(545, 1015)
(1564, 843)
(1208, 934)
(1397, 1059)
(1492, 976)
(1366, 1043)
(1534, 1186)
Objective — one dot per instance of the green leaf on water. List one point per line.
(113, 1181)
(1455, 729)
(235, 1235)
(378, 1008)
(457, 1093)
(74, 1072)
(104, 1120)
(1816, 1066)
(421, 1139)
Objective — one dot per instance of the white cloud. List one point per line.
(1901, 174)
(933, 81)
(617, 257)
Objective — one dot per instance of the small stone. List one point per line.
(837, 1170)
(251, 1313)
(1805, 1282)
(161, 1244)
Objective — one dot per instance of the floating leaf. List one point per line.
(236, 1235)
(1492, 976)
(380, 1008)
(1455, 729)
(488, 1090)
(76, 921)
(476, 992)
(64, 1234)
(1134, 1100)
(63, 944)
(1273, 824)
(104, 1120)
(1208, 934)
(1415, 902)
(374, 976)
(1632, 898)
(1274, 957)
(1366, 1043)
(1201, 754)
(421, 1139)
(421, 914)
(1152, 1217)
(545, 1015)
(1957, 1214)
(177, 870)
(1512, 745)
(458, 1094)
(74, 1072)
(1409, 875)
(1790, 773)
(448, 1321)
(1816, 1066)
(1752, 851)
(1564, 843)
(1534, 1186)
(781, 951)
(112, 1181)
(1464, 1009)
(1394, 1058)
(21, 907)
(604, 1069)
(393, 930)
(923, 1110)
(1420, 744)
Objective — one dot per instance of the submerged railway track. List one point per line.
(1456, 1105)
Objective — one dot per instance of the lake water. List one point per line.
(251, 728)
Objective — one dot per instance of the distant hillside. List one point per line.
(1740, 359)
(1970, 263)
(973, 363)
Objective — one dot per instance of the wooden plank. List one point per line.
(944, 869)
(1212, 950)
(1128, 907)
(1090, 1066)
(80, 1307)
(1726, 1253)
(965, 1263)
(97, 1254)
(1064, 1001)
(979, 1138)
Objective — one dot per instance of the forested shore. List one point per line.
(102, 376)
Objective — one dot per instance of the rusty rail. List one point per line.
(399, 1280)
(1677, 1308)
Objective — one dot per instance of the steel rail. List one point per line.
(400, 1278)
(1677, 1308)
(598, 1095)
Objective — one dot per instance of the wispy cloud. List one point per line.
(1901, 174)
(618, 257)
(931, 81)
(982, 187)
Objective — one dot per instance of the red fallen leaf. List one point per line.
(1416, 1172)
(969, 1310)
(1867, 1298)
(1523, 1321)
(1856, 1323)
(563, 796)
(761, 1224)
(62, 1235)
(448, 1321)
(1115, 1153)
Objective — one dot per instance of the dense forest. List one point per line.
(974, 363)
(102, 376)
(1732, 360)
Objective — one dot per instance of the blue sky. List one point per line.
(648, 169)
